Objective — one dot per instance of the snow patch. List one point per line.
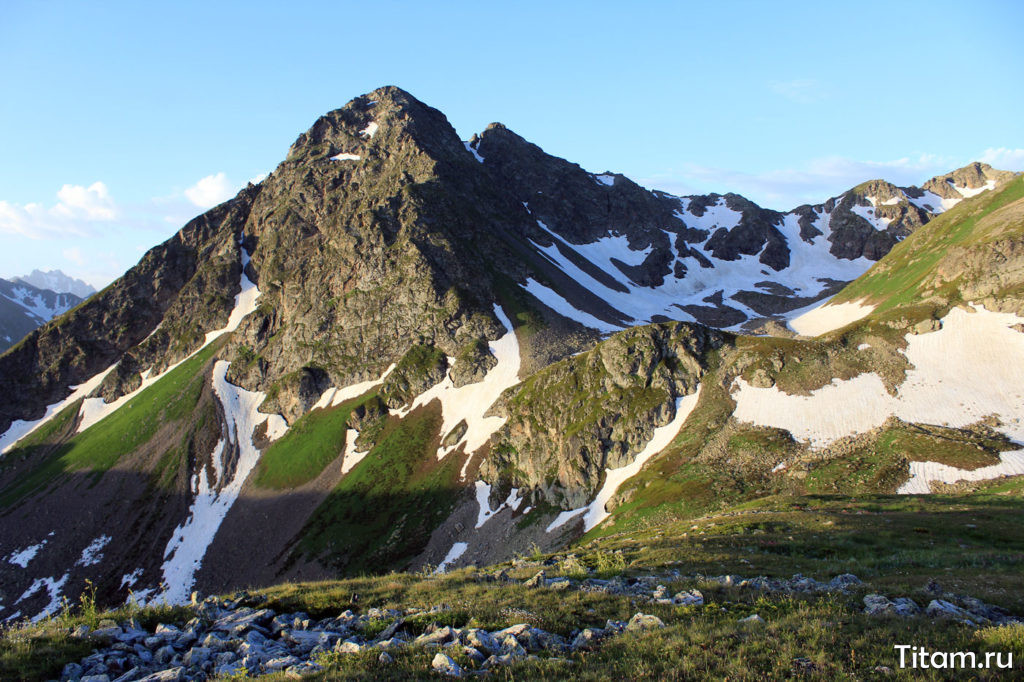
(457, 550)
(370, 130)
(214, 495)
(779, 467)
(970, 369)
(605, 179)
(553, 300)
(345, 156)
(23, 556)
(471, 401)
(93, 553)
(922, 474)
(129, 579)
(472, 150)
(52, 587)
(333, 397)
(827, 317)
(351, 457)
(877, 222)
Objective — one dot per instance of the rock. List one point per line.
(939, 608)
(754, 619)
(481, 639)
(385, 658)
(282, 662)
(843, 582)
(587, 638)
(439, 636)
(878, 605)
(688, 598)
(933, 588)
(169, 675)
(107, 634)
(640, 622)
(474, 654)
(348, 647)
(390, 630)
(164, 654)
(444, 664)
(559, 584)
(536, 581)
(81, 632)
(906, 607)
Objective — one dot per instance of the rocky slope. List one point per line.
(396, 349)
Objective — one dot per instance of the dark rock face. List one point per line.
(22, 304)
(755, 233)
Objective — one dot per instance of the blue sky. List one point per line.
(120, 121)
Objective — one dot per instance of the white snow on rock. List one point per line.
(929, 201)
(970, 369)
(595, 512)
(370, 130)
(877, 222)
(483, 494)
(922, 474)
(864, 346)
(129, 579)
(19, 428)
(811, 266)
(474, 152)
(471, 401)
(23, 556)
(333, 397)
(345, 156)
(968, 192)
(52, 587)
(36, 305)
(605, 179)
(781, 466)
(457, 550)
(351, 457)
(214, 495)
(553, 300)
(827, 317)
(93, 553)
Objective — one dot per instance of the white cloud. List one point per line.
(76, 208)
(86, 203)
(812, 182)
(211, 190)
(258, 179)
(74, 254)
(1004, 158)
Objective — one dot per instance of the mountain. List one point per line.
(23, 307)
(401, 350)
(55, 280)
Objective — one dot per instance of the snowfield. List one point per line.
(216, 493)
(471, 401)
(970, 369)
(828, 317)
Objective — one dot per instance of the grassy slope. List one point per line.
(381, 514)
(313, 441)
(972, 544)
(896, 280)
(99, 447)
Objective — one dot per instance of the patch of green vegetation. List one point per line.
(897, 279)
(100, 446)
(517, 305)
(381, 513)
(952, 447)
(313, 441)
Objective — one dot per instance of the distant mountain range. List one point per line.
(57, 281)
(25, 305)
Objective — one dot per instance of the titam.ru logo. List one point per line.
(919, 658)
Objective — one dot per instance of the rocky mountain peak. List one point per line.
(973, 176)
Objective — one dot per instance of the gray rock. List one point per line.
(640, 622)
(754, 619)
(385, 658)
(71, 670)
(282, 662)
(843, 582)
(688, 598)
(439, 636)
(481, 639)
(940, 608)
(444, 664)
(536, 581)
(164, 654)
(170, 675)
(474, 654)
(878, 605)
(587, 638)
(348, 647)
(196, 656)
(906, 607)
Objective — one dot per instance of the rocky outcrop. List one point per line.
(571, 421)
